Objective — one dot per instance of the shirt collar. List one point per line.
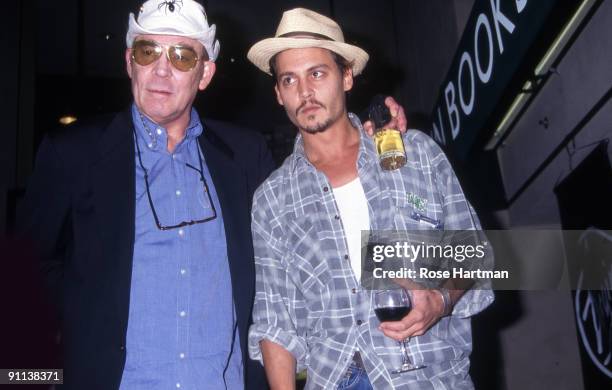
(156, 136)
(367, 149)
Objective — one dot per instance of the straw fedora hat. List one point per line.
(301, 28)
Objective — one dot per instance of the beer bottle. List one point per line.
(389, 144)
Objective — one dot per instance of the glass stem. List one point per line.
(405, 357)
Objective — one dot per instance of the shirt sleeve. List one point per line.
(473, 302)
(277, 300)
(459, 215)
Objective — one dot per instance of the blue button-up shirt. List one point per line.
(181, 329)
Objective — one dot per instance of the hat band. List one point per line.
(305, 34)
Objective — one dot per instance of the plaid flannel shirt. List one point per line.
(307, 298)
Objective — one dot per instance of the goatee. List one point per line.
(319, 127)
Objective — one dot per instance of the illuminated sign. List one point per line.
(497, 37)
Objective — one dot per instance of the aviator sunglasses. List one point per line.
(183, 58)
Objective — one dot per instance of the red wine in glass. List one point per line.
(393, 305)
(391, 313)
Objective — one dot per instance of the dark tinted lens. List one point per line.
(183, 58)
(145, 52)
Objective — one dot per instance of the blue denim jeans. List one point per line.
(355, 378)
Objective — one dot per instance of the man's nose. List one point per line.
(304, 89)
(163, 65)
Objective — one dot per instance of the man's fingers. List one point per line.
(394, 326)
(415, 323)
(406, 323)
(404, 333)
(398, 116)
(402, 122)
(392, 124)
(392, 106)
(397, 336)
(368, 126)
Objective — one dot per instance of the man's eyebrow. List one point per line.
(318, 66)
(286, 74)
(314, 67)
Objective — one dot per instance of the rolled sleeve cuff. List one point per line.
(288, 340)
(473, 302)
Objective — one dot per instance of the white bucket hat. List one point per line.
(185, 18)
(302, 28)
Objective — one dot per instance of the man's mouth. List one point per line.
(309, 107)
(159, 91)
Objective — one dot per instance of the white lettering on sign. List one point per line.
(451, 108)
(466, 107)
(484, 63)
(499, 18)
(484, 76)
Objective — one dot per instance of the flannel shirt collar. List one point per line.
(367, 149)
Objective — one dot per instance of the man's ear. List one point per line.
(128, 61)
(347, 79)
(207, 75)
(279, 99)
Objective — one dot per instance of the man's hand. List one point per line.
(398, 118)
(427, 309)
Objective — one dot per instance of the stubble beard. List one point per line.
(320, 127)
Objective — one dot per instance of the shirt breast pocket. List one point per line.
(407, 218)
(304, 258)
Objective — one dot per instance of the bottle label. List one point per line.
(390, 148)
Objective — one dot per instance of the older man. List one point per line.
(310, 310)
(142, 220)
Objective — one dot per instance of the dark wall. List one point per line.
(16, 110)
(8, 109)
(80, 68)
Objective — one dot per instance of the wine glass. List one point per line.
(393, 305)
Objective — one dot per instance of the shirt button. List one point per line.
(337, 216)
(181, 232)
(182, 356)
(346, 257)
(178, 385)
(359, 322)
(182, 314)
(122, 348)
(150, 145)
(159, 131)
(354, 291)
(325, 189)
(183, 272)
(178, 192)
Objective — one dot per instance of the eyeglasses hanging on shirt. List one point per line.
(202, 179)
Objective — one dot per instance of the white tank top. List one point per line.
(353, 207)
